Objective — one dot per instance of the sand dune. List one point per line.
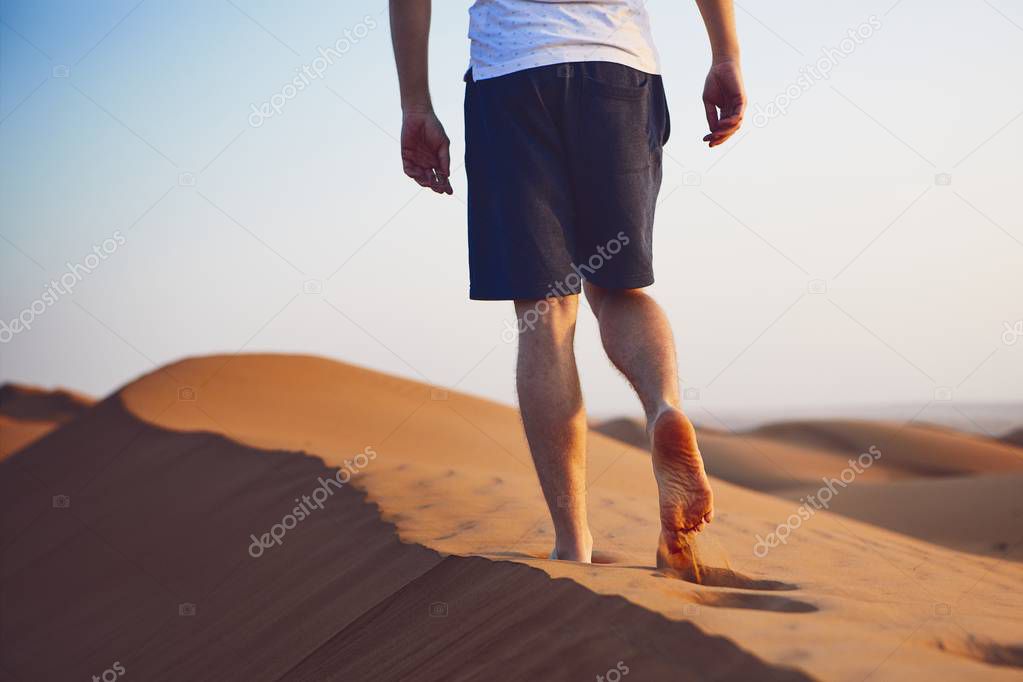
(32, 403)
(920, 450)
(28, 413)
(756, 461)
(910, 450)
(928, 509)
(428, 563)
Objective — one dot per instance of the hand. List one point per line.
(724, 98)
(425, 150)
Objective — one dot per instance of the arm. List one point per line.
(425, 148)
(724, 97)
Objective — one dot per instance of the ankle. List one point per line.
(658, 411)
(577, 548)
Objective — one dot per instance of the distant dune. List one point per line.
(160, 529)
(918, 450)
(30, 402)
(1014, 438)
(28, 413)
(931, 509)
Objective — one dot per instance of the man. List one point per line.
(565, 119)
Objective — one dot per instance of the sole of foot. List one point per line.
(686, 500)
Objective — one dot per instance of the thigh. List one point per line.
(616, 171)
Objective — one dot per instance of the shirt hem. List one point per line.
(480, 72)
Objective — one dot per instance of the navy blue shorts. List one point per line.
(564, 167)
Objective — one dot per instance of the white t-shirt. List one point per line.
(511, 35)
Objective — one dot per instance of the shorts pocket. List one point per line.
(615, 90)
(616, 124)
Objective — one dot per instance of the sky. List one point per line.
(859, 242)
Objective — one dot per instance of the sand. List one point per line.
(128, 538)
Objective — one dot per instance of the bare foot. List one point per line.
(687, 503)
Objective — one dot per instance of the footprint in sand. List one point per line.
(724, 577)
(710, 577)
(982, 650)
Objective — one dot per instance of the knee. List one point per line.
(550, 317)
(597, 296)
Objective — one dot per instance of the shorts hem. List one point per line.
(521, 294)
(546, 291)
(637, 282)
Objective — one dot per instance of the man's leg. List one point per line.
(551, 403)
(637, 338)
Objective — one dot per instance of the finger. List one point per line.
(443, 181)
(424, 160)
(731, 121)
(419, 175)
(422, 177)
(439, 183)
(727, 132)
(712, 114)
(413, 165)
(444, 159)
(416, 175)
(435, 182)
(738, 107)
(723, 135)
(412, 170)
